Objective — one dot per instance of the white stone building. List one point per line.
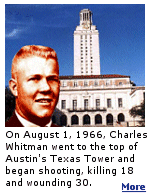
(91, 99)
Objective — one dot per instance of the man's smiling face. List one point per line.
(37, 88)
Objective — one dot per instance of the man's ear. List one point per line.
(13, 87)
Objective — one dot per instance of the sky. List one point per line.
(121, 35)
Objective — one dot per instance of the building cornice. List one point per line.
(94, 89)
(137, 88)
(106, 76)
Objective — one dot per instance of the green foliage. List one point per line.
(138, 111)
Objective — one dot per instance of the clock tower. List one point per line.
(85, 18)
(86, 46)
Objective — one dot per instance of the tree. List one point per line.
(138, 111)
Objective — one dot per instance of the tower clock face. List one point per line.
(85, 26)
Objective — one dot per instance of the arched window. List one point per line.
(109, 119)
(86, 119)
(63, 120)
(74, 120)
(98, 119)
(121, 117)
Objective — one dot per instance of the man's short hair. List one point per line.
(32, 50)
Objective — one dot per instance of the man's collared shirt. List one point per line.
(26, 123)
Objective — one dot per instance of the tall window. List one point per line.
(108, 103)
(120, 102)
(86, 104)
(74, 104)
(97, 103)
(63, 83)
(107, 82)
(96, 83)
(63, 104)
(85, 83)
(75, 84)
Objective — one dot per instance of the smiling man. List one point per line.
(35, 85)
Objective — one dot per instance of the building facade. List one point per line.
(89, 98)
(97, 100)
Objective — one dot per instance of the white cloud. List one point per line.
(14, 33)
